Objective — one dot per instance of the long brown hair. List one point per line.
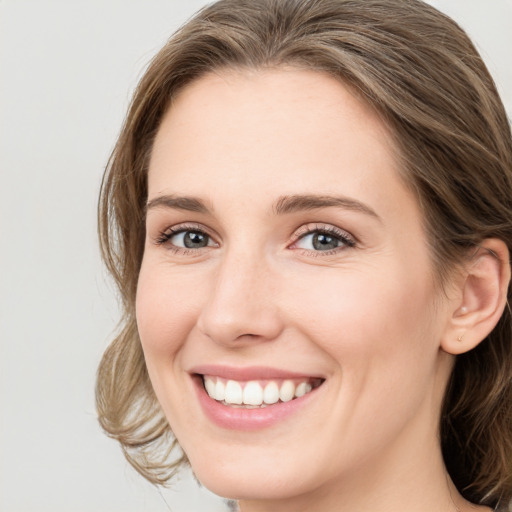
(423, 75)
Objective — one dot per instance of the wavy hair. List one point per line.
(418, 69)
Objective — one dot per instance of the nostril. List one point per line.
(235, 329)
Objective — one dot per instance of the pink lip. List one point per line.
(235, 418)
(248, 373)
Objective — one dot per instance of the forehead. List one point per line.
(288, 129)
(269, 99)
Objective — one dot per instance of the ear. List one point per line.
(481, 298)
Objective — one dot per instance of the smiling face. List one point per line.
(285, 258)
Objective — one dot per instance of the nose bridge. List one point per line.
(242, 300)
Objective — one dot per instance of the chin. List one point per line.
(253, 473)
(247, 483)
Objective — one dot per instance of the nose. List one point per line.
(242, 303)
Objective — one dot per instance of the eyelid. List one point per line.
(317, 227)
(166, 234)
(163, 237)
(323, 227)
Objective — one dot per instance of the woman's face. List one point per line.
(284, 256)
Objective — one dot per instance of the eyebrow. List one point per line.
(284, 205)
(189, 204)
(294, 203)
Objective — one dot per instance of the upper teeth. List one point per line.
(254, 393)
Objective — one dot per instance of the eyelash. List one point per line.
(347, 241)
(165, 236)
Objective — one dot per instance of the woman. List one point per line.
(308, 215)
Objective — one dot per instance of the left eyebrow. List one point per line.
(294, 203)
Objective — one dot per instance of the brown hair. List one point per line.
(420, 71)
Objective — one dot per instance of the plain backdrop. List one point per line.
(67, 69)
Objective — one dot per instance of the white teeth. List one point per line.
(287, 391)
(271, 393)
(220, 390)
(233, 392)
(251, 394)
(301, 389)
(209, 384)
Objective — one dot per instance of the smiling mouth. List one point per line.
(257, 394)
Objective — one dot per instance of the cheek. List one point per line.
(165, 311)
(380, 331)
(371, 317)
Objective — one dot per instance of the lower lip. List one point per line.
(238, 418)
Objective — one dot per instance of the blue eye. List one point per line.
(319, 242)
(181, 238)
(190, 239)
(324, 240)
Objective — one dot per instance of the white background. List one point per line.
(67, 69)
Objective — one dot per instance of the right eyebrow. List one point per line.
(189, 204)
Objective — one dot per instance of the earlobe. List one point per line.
(482, 299)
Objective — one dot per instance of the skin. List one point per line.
(367, 317)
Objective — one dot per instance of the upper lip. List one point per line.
(248, 372)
